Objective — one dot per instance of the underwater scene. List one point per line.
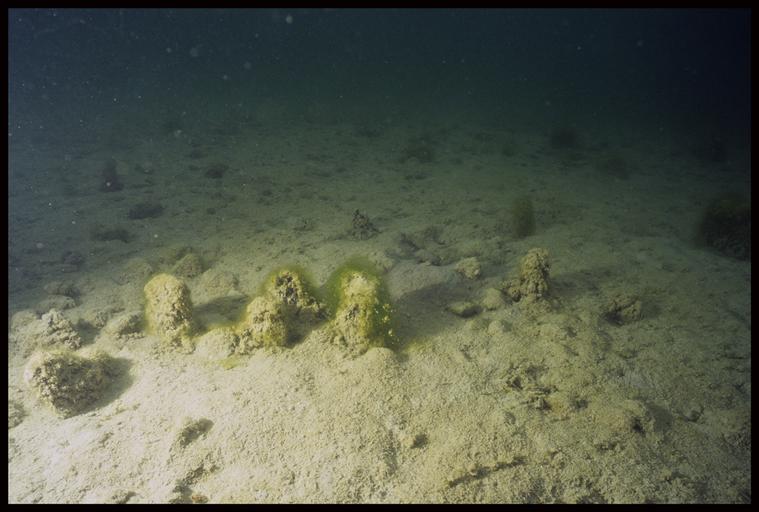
(379, 255)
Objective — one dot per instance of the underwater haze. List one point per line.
(379, 256)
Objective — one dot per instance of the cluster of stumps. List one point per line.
(356, 314)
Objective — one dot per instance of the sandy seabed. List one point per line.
(513, 404)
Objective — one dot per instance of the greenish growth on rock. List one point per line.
(358, 298)
(264, 325)
(725, 226)
(292, 287)
(168, 311)
(522, 217)
(69, 382)
(293, 290)
(331, 294)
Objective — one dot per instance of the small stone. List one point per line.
(382, 260)
(189, 429)
(217, 344)
(463, 309)
(693, 412)
(190, 265)
(622, 309)
(497, 327)
(98, 317)
(469, 268)
(173, 253)
(135, 270)
(217, 283)
(124, 324)
(492, 299)
(428, 257)
(477, 324)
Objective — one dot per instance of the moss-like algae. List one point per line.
(287, 307)
(270, 284)
(377, 326)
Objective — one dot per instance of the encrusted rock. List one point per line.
(469, 268)
(169, 310)
(217, 344)
(290, 289)
(124, 324)
(217, 282)
(532, 283)
(54, 329)
(135, 270)
(263, 326)
(492, 299)
(363, 228)
(188, 430)
(463, 308)
(624, 420)
(498, 327)
(363, 318)
(190, 265)
(68, 382)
